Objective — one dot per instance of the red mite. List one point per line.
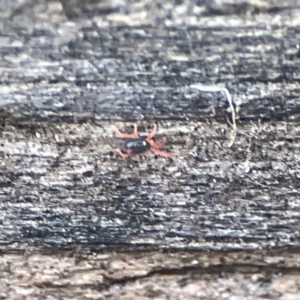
(133, 144)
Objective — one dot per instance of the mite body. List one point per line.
(133, 144)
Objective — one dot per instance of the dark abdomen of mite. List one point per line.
(135, 146)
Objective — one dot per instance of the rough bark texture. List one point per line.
(220, 223)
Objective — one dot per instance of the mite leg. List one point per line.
(123, 154)
(152, 133)
(133, 135)
(156, 144)
(164, 153)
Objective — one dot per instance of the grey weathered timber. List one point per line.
(72, 69)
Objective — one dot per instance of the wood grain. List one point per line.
(72, 69)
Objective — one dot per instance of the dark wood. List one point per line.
(72, 69)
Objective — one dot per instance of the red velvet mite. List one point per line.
(133, 144)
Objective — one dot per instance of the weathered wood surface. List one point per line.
(151, 275)
(71, 69)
